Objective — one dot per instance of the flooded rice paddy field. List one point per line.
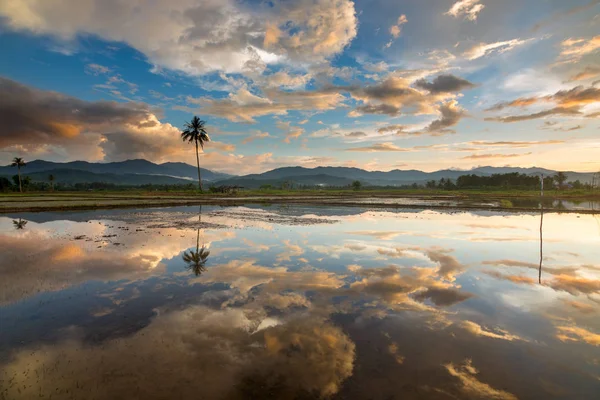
(299, 302)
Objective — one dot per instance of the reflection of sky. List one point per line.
(458, 278)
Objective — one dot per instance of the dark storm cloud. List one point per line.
(444, 84)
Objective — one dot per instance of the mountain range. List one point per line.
(130, 172)
(139, 172)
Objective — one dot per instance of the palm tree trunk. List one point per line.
(198, 163)
(198, 240)
(20, 186)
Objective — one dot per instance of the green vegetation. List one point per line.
(195, 131)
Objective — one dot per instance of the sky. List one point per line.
(374, 84)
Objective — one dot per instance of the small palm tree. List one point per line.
(19, 162)
(195, 132)
(51, 179)
(20, 223)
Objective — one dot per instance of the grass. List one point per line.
(43, 201)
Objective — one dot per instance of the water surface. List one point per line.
(297, 302)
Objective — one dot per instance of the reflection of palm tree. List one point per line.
(196, 260)
(541, 242)
(20, 223)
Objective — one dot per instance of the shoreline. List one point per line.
(79, 203)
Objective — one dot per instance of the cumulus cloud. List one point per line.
(244, 106)
(444, 84)
(451, 114)
(467, 8)
(198, 37)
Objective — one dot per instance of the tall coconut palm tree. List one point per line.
(195, 131)
(51, 179)
(19, 162)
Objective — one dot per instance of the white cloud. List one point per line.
(467, 8)
(483, 49)
(193, 36)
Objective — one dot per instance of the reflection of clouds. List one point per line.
(530, 265)
(41, 264)
(576, 334)
(377, 234)
(478, 330)
(512, 278)
(291, 250)
(581, 307)
(245, 275)
(190, 352)
(394, 285)
(449, 265)
(575, 285)
(474, 388)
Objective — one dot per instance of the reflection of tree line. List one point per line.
(195, 260)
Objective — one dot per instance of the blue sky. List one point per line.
(423, 84)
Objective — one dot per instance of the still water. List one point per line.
(299, 302)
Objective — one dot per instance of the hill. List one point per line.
(142, 167)
(73, 176)
(342, 176)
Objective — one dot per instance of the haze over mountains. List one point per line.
(140, 172)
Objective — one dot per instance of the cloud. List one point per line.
(467, 8)
(387, 146)
(444, 84)
(574, 49)
(474, 388)
(576, 334)
(255, 136)
(198, 37)
(483, 49)
(396, 29)
(451, 114)
(490, 156)
(96, 69)
(356, 134)
(292, 132)
(244, 106)
(516, 144)
(565, 111)
(588, 72)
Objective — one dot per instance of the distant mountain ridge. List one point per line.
(139, 172)
(342, 176)
(179, 171)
